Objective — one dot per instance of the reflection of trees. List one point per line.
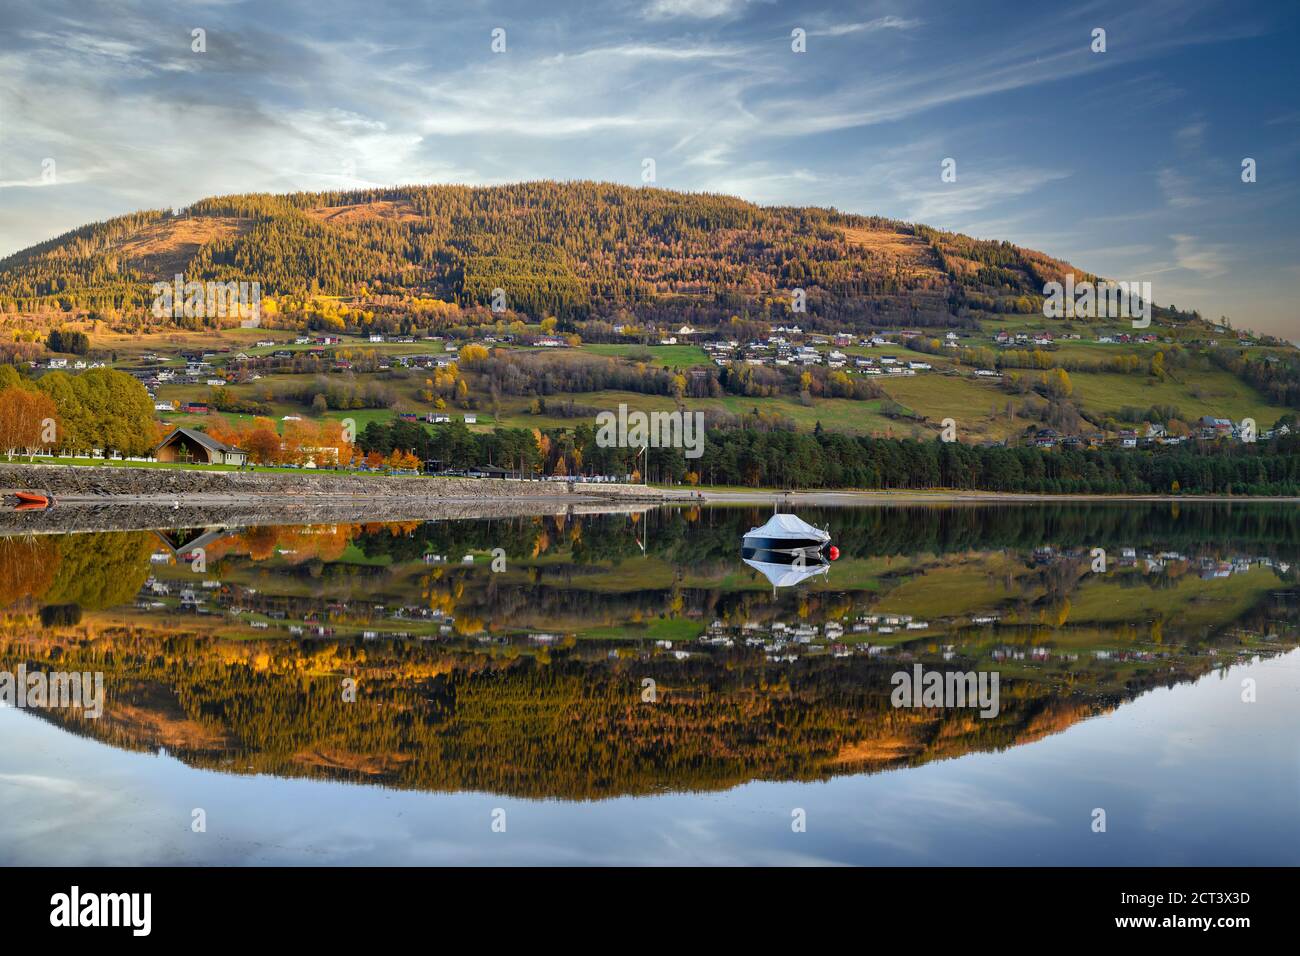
(93, 571)
(552, 559)
(302, 543)
(27, 567)
(101, 570)
(685, 537)
(60, 615)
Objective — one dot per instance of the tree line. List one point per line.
(783, 458)
(73, 414)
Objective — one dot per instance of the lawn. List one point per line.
(836, 414)
(672, 356)
(968, 402)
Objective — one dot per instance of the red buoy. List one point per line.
(835, 553)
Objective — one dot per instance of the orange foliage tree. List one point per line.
(29, 421)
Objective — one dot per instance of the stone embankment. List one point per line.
(71, 484)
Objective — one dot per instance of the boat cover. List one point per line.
(788, 526)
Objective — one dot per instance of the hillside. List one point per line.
(535, 305)
(573, 250)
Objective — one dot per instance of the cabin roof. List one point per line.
(207, 441)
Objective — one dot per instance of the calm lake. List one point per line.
(624, 688)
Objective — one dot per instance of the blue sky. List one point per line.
(1127, 162)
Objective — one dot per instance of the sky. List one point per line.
(1127, 162)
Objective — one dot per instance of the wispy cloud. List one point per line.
(693, 9)
(1207, 260)
(1192, 136)
(866, 26)
(1176, 187)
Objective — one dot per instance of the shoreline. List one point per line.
(938, 496)
(225, 515)
(163, 490)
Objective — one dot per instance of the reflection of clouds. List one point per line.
(915, 822)
(52, 785)
(1186, 775)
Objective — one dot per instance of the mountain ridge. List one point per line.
(576, 250)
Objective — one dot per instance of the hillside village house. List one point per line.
(187, 445)
(1212, 427)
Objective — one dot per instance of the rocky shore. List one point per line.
(76, 484)
(136, 516)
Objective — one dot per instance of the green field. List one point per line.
(969, 402)
(837, 414)
(1196, 393)
(670, 356)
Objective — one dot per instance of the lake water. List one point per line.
(624, 688)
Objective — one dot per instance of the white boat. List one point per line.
(783, 534)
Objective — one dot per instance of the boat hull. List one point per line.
(782, 545)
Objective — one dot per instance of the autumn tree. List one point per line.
(28, 421)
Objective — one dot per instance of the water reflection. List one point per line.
(788, 572)
(513, 656)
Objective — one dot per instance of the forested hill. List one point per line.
(575, 250)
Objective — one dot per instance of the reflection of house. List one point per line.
(183, 542)
(187, 445)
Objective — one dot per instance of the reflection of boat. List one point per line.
(787, 573)
(783, 534)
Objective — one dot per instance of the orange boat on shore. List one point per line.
(31, 500)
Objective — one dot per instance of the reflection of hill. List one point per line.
(568, 723)
(922, 741)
